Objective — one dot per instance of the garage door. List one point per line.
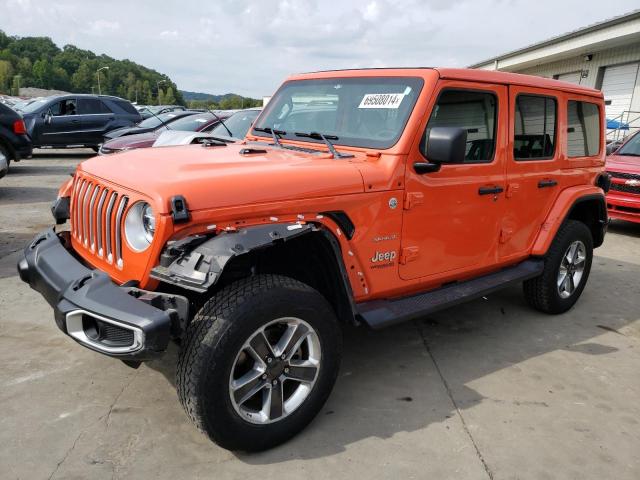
(573, 77)
(617, 85)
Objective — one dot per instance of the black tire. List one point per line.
(216, 335)
(542, 292)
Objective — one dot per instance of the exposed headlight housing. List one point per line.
(140, 226)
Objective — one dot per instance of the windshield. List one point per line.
(238, 123)
(361, 112)
(153, 122)
(631, 148)
(31, 106)
(192, 123)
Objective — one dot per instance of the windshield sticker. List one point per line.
(201, 120)
(381, 100)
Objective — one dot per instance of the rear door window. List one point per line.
(583, 129)
(535, 128)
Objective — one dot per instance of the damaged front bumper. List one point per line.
(125, 323)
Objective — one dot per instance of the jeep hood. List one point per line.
(217, 176)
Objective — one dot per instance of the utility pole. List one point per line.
(98, 74)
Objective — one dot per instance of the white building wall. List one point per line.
(613, 56)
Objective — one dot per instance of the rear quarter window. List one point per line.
(126, 107)
(583, 129)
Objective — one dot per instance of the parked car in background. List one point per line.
(623, 198)
(67, 121)
(235, 128)
(195, 122)
(15, 143)
(147, 111)
(148, 124)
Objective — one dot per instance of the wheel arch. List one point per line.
(309, 253)
(585, 204)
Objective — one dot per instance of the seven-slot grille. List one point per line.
(622, 187)
(96, 219)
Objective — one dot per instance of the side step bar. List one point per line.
(382, 313)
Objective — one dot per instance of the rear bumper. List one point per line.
(623, 206)
(89, 307)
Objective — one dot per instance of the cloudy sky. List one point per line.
(249, 46)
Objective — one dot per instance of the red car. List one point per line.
(198, 122)
(623, 199)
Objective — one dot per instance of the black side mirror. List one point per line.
(447, 144)
(444, 145)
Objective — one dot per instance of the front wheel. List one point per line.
(258, 362)
(566, 270)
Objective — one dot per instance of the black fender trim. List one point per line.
(343, 221)
(600, 229)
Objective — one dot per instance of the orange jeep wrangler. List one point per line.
(365, 196)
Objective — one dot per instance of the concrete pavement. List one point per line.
(490, 389)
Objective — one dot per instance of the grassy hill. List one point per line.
(39, 62)
(226, 101)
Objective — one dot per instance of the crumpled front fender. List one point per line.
(200, 268)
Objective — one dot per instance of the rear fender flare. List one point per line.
(565, 203)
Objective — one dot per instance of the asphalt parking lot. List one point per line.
(491, 389)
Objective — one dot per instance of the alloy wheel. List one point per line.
(571, 269)
(275, 371)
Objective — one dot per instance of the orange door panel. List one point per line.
(450, 223)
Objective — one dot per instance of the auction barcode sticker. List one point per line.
(381, 100)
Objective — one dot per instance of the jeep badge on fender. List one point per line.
(358, 205)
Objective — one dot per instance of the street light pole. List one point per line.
(98, 74)
(158, 85)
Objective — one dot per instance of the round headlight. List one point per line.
(140, 226)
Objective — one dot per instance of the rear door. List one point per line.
(533, 167)
(95, 118)
(452, 217)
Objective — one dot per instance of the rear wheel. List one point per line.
(258, 362)
(566, 270)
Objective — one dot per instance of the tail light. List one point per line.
(19, 128)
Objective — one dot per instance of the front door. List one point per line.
(62, 125)
(451, 222)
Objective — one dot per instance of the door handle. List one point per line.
(547, 183)
(490, 190)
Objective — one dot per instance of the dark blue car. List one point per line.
(74, 120)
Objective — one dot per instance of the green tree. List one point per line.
(82, 79)
(169, 97)
(6, 75)
(42, 73)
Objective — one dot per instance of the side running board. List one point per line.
(382, 313)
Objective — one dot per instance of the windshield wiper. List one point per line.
(221, 123)
(325, 139)
(159, 119)
(274, 134)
